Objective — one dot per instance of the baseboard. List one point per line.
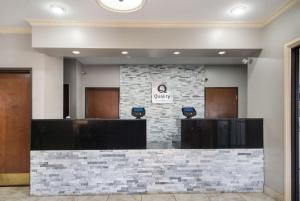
(273, 194)
(14, 179)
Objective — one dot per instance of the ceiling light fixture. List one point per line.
(177, 53)
(222, 52)
(58, 10)
(124, 52)
(239, 10)
(76, 52)
(124, 6)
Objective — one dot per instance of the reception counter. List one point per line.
(128, 168)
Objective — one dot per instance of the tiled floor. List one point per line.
(22, 194)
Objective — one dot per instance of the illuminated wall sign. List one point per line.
(161, 93)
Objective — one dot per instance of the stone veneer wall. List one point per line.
(142, 171)
(187, 83)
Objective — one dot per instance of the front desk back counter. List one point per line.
(222, 133)
(88, 134)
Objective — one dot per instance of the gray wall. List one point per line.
(47, 74)
(230, 76)
(265, 91)
(72, 76)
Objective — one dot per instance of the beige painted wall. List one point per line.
(265, 91)
(47, 73)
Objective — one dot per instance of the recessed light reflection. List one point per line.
(176, 53)
(76, 52)
(222, 52)
(57, 10)
(125, 52)
(239, 10)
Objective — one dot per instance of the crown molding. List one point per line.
(144, 24)
(14, 30)
(286, 6)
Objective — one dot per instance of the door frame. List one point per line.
(289, 194)
(68, 106)
(295, 123)
(19, 179)
(85, 98)
(237, 97)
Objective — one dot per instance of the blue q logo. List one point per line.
(162, 88)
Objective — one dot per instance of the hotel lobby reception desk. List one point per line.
(83, 171)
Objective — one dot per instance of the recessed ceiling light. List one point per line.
(222, 52)
(58, 10)
(76, 52)
(121, 5)
(238, 10)
(124, 52)
(176, 53)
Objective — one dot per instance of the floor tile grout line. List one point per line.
(174, 197)
(207, 197)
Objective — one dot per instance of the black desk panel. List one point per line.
(88, 134)
(221, 133)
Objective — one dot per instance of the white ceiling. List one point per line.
(15, 12)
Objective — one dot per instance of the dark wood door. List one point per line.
(15, 115)
(102, 103)
(221, 102)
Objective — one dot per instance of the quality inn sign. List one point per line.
(161, 93)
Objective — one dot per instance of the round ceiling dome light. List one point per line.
(124, 6)
(239, 10)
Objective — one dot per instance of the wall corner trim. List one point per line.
(285, 7)
(287, 118)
